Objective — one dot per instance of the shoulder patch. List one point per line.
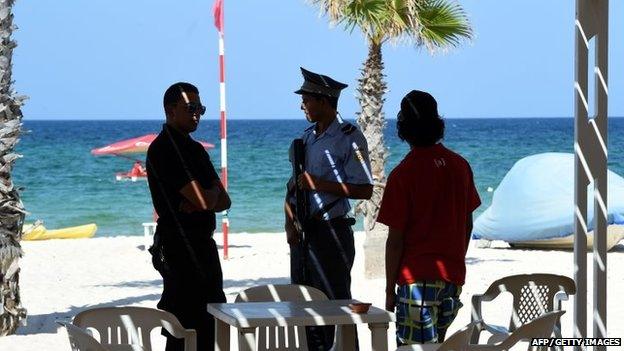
(348, 128)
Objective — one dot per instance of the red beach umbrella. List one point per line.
(128, 147)
(133, 146)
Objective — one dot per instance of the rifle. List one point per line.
(301, 199)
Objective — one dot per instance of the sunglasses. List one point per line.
(194, 107)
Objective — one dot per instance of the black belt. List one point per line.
(318, 215)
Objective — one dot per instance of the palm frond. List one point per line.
(442, 25)
(334, 9)
(403, 21)
(436, 24)
(368, 15)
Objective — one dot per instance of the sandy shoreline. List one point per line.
(59, 278)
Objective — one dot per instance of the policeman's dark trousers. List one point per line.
(185, 295)
(330, 253)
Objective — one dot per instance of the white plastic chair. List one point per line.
(80, 340)
(540, 327)
(458, 341)
(281, 338)
(533, 295)
(133, 325)
(149, 228)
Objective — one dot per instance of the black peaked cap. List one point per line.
(314, 83)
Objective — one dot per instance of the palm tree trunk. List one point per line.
(371, 90)
(11, 208)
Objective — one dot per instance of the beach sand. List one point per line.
(60, 278)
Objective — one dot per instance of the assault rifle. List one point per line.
(301, 202)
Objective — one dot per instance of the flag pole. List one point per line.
(218, 18)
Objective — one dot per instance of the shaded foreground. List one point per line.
(62, 277)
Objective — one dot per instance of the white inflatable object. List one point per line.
(535, 201)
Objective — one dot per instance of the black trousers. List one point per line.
(325, 263)
(186, 292)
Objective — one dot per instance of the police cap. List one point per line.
(314, 83)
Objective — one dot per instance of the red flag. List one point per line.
(218, 14)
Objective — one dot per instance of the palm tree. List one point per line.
(434, 24)
(11, 208)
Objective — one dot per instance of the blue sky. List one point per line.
(113, 59)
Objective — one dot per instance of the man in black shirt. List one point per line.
(186, 192)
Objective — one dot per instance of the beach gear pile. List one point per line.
(535, 201)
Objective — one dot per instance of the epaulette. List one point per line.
(348, 128)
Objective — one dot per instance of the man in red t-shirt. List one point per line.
(427, 205)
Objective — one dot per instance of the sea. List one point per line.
(63, 184)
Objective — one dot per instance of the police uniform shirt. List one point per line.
(339, 154)
(164, 165)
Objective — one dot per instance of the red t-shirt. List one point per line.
(428, 197)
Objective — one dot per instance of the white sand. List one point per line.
(59, 278)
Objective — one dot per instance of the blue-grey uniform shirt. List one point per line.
(338, 156)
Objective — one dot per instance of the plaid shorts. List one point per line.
(424, 311)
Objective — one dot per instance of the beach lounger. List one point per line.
(458, 341)
(279, 336)
(80, 340)
(533, 296)
(133, 325)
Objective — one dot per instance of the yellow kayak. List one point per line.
(39, 232)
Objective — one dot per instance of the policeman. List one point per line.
(186, 192)
(337, 169)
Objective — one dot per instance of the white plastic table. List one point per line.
(247, 316)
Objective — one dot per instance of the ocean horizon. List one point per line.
(64, 185)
